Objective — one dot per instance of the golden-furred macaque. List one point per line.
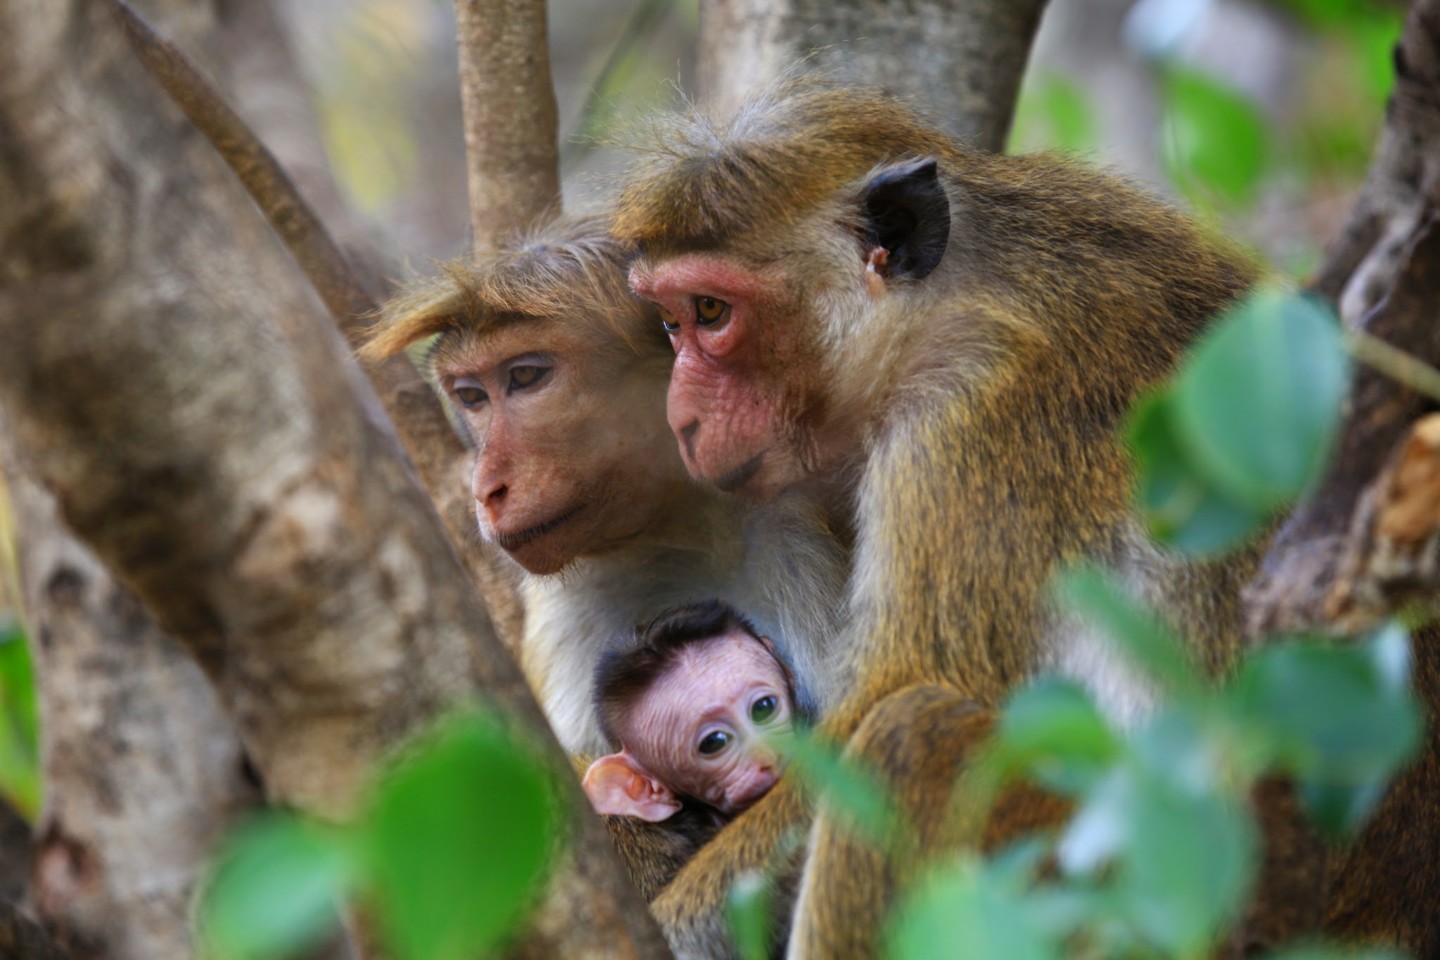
(952, 338)
(694, 708)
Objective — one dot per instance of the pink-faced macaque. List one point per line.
(694, 708)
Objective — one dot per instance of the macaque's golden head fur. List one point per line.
(571, 270)
(700, 184)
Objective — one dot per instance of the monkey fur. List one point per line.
(951, 338)
(560, 294)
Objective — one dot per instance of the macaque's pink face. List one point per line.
(704, 727)
(573, 456)
(745, 399)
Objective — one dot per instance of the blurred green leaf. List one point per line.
(747, 910)
(460, 836)
(853, 793)
(1182, 506)
(1319, 952)
(277, 889)
(1181, 860)
(20, 773)
(1339, 718)
(1257, 404)
(1138, 634)
(1051, 729)
(1215, 140)
(966, 911)
(1053, 113)
(1188, 865)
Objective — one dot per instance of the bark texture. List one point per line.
(144, 771)
(958, 61)
(170, 379)
(511, 120)
(16, 842)
(349, 294)
(1327, 567)
(21, 938)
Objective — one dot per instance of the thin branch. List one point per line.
(511, 119)
(1405, 369)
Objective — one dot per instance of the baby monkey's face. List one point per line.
(705, 726)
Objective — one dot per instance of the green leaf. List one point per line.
(20, 773)
(277, 889)
(1339, 718)
(1215, 140)
(1182, 506)
(1181, 860)
(967, 911)
(853, 793)
(747, 910)
(1257, 405)
(1137, 633)
(1053, 113)
(1321, 952)
(1052, 730)
(1188, 866)
(460, 837)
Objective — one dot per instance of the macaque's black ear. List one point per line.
(908, 213)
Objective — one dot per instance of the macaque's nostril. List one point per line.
(687, 437)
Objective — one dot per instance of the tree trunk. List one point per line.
(959, 61)
(143, 770)
(204, 430)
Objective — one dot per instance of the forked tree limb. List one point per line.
(1336, 563)
(439, 456)
(511, 118)
(167, 376)
(958, 61)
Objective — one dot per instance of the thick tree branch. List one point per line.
(168, 378)
(511, 119)
(960, 61)
(437, 453)
(1331, 564)
(144, 772)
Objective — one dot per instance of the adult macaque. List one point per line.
(559, 373)
(952, 337)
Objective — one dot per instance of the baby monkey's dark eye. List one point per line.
(713, 742)
(709, 311)
(764, 708)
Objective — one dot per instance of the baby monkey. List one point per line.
(693, 707)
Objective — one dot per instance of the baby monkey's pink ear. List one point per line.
(617, 785)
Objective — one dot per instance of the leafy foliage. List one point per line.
(1246, 426)
(20, 778)
(453, 846)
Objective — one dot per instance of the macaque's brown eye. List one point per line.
(709, 311)
(526, 376)
(713, 742)
(668, 322)
(764, 708)
(469, 397)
